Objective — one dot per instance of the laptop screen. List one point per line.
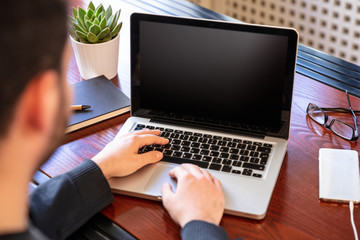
(212, 73)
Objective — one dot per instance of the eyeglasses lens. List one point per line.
(341, 129)
(316, 114)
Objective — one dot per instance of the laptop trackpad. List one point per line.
(158, 178)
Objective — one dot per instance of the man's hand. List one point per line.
(120, 157)
(199, 196)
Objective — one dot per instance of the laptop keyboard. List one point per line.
(232, 155)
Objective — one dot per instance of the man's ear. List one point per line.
(39, 103)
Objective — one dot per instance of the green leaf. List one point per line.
(95, 29)
(108, 12)
(96, 21)
(72, 20)
(91, 6)
(98, 10)
(116, 30)
(89, 13)
(104, 33)
(81, 13)
(81, 35)
(81, 23)
(103, 23)
(109, 21)
(115, 20)
(101, 16)
(92, 38)
(77, 27)
(75, 13)
(83, 41)
(106, 39)
(88, 24)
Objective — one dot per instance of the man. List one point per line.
(34, 110)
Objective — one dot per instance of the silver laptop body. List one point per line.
(220, 83)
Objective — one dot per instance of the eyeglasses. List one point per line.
(337, 126)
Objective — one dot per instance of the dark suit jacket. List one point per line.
(63, 204)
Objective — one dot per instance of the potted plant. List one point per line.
(94, 35)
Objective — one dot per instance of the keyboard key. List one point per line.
(217, 137)
(254, 160)
(194, 150)
(257, 144)
(257, 175)
(216, 160)
(224, 155)
(204, 146)
(184, 137)
(215, 166)
(236, 163)
(226, 162)
(187, 155)
(188, 133)
(186, 143)
(244, 158)
(160, 128)
(203, 140)
(234, 151)
(241, 146)
(212, 141)
(214, 154)
(182, 160)
(247, 172)
(264, 155)
(251, 147)
(263, 160)
(185, 149)
(168, 152)
(198, 134)
(193, 138)
(226, 168)
(207, 136)
(175, 147)
(176, 142)
(236, 171)
(247, 142)
(254, 166)
(244, 152)
(214, 148)
(222, 143)
(168, 130)
(150, 127)
(267, 145)
(232, 144)
(237, 140)
(206, 158)
(254, 154)
(174, 135)
(177, 154)
(227, 139)
(264, 149)
(224, 149)
(179, 131)
(204, 152)
(234, 157)
(196, 157)
(195, 145)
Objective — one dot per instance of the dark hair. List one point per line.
(33, 35)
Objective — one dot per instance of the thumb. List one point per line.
(150, 157)
(167, 193)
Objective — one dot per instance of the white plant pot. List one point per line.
(97, 59)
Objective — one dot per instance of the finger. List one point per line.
(217, 183)
(208, 176)
(149, 139)
(146, 131)
(149, 157)
(178, 172)
(167, 194)
(193, 169)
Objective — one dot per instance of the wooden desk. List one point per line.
(295, 211)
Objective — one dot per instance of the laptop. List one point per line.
(221, 92)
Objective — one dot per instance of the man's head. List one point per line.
(32, 71)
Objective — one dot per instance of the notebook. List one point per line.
(221, 92)
(106, 101)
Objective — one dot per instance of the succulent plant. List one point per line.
(96, 25)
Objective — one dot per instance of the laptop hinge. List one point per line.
(230, 130)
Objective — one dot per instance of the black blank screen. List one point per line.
(226, 74)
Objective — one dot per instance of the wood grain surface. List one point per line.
(295, 211)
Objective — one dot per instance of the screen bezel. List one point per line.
(291, 34)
